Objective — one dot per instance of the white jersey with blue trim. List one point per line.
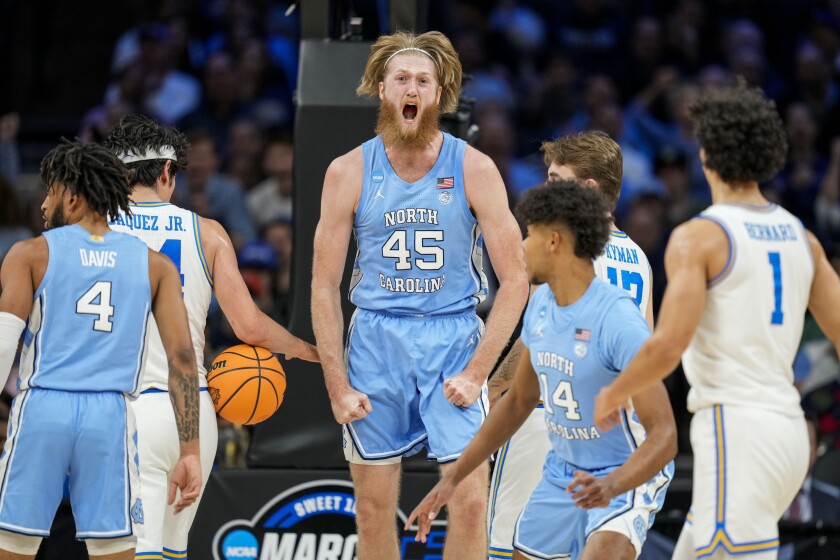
(624, 264)
(175, 232)
(576, 350)
(743, 349)
(420, 248)
(89, 319)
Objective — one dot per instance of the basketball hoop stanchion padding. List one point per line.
(330, 121)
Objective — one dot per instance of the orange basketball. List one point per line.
(246, 383)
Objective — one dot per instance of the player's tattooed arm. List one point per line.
(173, 325)
(503, 375)
(183, 391)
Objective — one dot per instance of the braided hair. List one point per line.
(138, 134)
(92, 172)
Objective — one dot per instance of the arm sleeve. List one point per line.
(11, 327)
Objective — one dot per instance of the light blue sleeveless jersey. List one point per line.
(87, 327)
(419, 246)
(576, 350)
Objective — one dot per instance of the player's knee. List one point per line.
(469, 510)
(26, 545)
(104, 547)
(374, 510)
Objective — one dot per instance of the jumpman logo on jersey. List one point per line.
(472, 341)
(379, 194)
(538, 330)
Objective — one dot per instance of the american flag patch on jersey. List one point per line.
(446, 182)
(582, 334)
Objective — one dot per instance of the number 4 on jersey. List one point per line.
(97, 301)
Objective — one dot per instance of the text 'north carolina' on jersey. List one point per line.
(420, 248)
(88, 324)
(174, 232)
(743, 349)
(625, 265)
(576, 350)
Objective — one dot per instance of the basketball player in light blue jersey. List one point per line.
(741, 276)
(86, 293)
(422, 205)
(206, 260)
(599, 491)
(595, 159)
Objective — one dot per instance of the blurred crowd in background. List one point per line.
(225, 71)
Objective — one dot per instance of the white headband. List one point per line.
(415, 49)
(164, 152)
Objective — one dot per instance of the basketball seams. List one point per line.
(248, 368)
(214, 375)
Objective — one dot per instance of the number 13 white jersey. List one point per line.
(743, 350)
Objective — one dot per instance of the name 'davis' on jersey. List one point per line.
(92, 257)
(148, 222)
(411, 216)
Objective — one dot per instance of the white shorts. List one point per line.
(165, 533)
(749, 463)
(518, 470)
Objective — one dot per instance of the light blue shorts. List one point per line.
(552, 527)
(401, 364)
(88, 435)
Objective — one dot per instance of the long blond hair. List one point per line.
(433, 44)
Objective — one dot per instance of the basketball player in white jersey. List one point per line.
(205, 257)
(595, 159)
(740, 278)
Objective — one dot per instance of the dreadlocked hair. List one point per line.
(90, 171)
(139, 133)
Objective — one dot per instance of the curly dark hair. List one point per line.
(139, 133)
(92, 172)
(583, 211)
(741, 133)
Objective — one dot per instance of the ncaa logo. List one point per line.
(580, 349)
(377, 176)
(445, 197)
(240, 545)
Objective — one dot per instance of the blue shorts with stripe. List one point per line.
(89, 436)
(552, 527)
(401, 364)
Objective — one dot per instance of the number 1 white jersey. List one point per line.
(174, 232)
(742, 352)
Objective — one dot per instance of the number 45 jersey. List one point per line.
(87, 327)
(743, 350)
(419, 246)
(175, 232)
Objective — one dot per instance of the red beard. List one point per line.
(389, 127)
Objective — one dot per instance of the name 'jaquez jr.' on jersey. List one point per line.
(420, 248)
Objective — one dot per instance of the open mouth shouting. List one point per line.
(409, 112)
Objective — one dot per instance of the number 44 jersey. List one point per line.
(89, 317)
(419, 246)
(743, 350)
(174, 232)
